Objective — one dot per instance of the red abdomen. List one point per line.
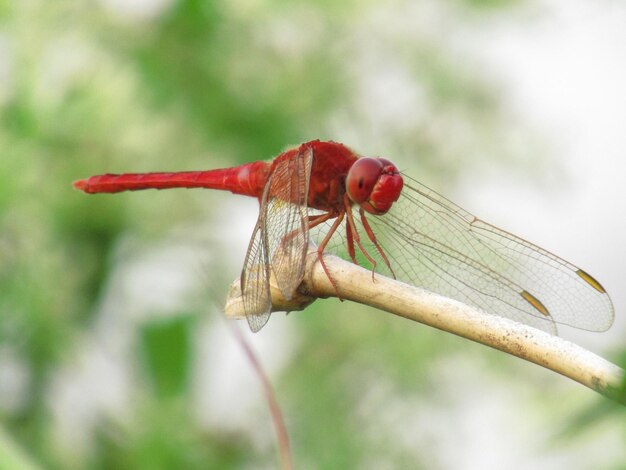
(248, 180)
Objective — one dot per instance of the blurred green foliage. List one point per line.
(167, 355)
(90, 87)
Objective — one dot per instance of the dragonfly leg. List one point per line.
(322, 245)
(312, 221)
(350, 243)
(355, 234)
(372, 236)
(315, 220)
(318, 219)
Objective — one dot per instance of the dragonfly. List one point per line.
(365, 208)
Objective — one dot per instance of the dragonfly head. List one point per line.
(374, 184)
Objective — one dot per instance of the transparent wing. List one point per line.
(280, 238)
(255, 277)
(435, 244)
(286, 226)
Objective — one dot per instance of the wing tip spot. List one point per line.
(589, 279)
(535, 302)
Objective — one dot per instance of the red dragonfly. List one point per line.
(403, 229)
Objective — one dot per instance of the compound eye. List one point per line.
(362, 178)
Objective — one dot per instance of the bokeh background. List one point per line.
(112, 350)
